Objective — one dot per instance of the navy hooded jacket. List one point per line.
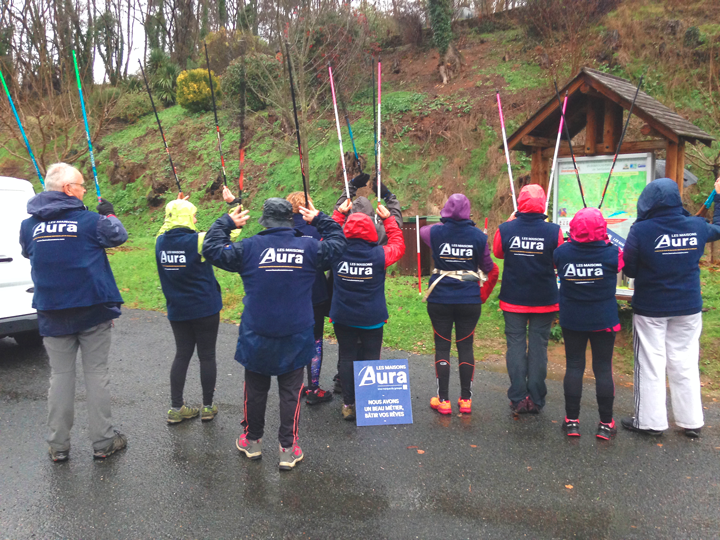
(320, 292)
(663, 250)
(74, 286)
(278, 267)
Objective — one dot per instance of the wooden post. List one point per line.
(680, 175)
(593, 126)
(539, 168)
(612, 125)
(671, 161)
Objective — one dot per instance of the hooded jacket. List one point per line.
(278, 267)
(587, 267)
(364, 206)
(663, 251)
(320, 293)
(359, 275)
(188, 282)
(457, 234)
(66, 243)
(527, 243)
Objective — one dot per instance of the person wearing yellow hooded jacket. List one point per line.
(193, 302)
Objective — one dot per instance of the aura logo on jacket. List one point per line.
(385, 375)
(455, 251)
(676, 244)
(281, 259)
(173, 260)
(355, 270)
(583, 271)
(55, 230)
(525, 245)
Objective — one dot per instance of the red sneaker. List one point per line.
(443, 407)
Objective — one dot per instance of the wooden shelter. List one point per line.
(596, 103)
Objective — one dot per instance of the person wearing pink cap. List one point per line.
(588, 266)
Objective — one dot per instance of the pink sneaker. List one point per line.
(289, 457)
(252, 449)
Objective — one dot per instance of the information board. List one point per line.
(382, 392)
(631, 174)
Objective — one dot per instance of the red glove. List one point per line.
(487, 287)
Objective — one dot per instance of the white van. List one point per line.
(18, 319)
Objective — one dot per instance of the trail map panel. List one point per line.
(631, 174)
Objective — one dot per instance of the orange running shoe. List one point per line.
(443, 407)
(465, 405)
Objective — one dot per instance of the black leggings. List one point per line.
(465, 318)
(203, 333)
(320, 311)
(355, 344)
(602, 345)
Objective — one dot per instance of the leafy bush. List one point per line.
(260, 71)
(162, 74)
(193, 90)
(132, 106)
(133, 84)
(101, 98)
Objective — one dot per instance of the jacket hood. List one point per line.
(360, 226)
(362, 205)
(49, 204)
(179, 213)
(457, 207)
(588, 225)
(531, 199)
(659, 194)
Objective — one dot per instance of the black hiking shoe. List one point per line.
(692, 433)
(571, 427)
(317, 395)
(59, 456)
(118, 442)
(338, 384)
(629, 423)
(606, 431)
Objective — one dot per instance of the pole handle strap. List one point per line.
(460, 275)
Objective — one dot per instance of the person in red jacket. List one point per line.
(359, 310)
(528, 296)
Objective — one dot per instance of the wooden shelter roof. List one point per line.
(590, 83)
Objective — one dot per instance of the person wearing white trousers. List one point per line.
(662, 253)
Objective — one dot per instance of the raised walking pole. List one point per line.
(217, 124)
(297, 124)
(417, 240)
(507, 152)
(87, 127)
(337, 123)
(379, 133)
(555, 156)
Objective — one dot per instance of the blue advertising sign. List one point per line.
(382, 392)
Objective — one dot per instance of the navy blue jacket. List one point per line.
(359, 285)
(663, 250)
(278, 267)
(70, 270)
(457, 245)
(588, 279)
(320, 292)
(188, 283)
(528, 243)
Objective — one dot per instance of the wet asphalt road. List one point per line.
(483, 476)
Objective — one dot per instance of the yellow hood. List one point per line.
(179, 213)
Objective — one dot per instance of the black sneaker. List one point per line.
(59, 455)
(118, 442)
(313, 397)
(571, 427)
(338, 384)
(692, 433)
(629, 423)
(606, 431)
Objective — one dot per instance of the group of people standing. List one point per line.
(306, 266)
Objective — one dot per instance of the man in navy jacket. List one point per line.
(76, 300)
(662, 253)
(278, 267)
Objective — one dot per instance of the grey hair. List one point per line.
(58, 175)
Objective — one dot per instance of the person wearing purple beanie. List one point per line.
(456, 293)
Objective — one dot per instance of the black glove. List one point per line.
(105, 208)
(236, 200)
(360, 180)
(384, 191)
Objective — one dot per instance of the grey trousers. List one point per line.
(94, 343)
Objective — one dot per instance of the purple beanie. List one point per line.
(457, 207)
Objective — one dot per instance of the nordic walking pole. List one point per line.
(569, 138)
(243, 141)
(379, 133)
(347, 121)
(297, 124)
(87, 127)
(22, 131)
(555, 156)
(622, 136)
(485, 229)
(337, 123)
(706, 205)
(417, 241)
(217, 125)
(372, 72)
(162, 133)
(507, 152)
